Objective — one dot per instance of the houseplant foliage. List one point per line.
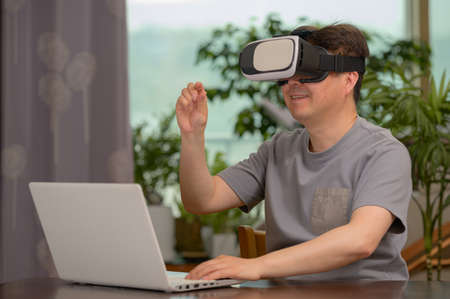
(397, 93)
(420, 118)
(224, 221)
(228, 220)
(156, 158)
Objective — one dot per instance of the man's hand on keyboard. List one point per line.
(227, 267)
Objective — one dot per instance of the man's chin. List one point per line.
(301, 116)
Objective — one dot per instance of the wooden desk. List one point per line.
(280, 289)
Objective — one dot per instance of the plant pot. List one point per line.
(164, 226)
(188, 236)
(224, 243)
(207, 238)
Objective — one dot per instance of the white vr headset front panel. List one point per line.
(273, 55)
(278, 53)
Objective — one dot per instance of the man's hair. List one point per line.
(343, 39)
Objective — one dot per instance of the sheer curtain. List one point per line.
(64, 112)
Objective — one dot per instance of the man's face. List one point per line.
(311, 101)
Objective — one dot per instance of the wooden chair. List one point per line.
(252, 242)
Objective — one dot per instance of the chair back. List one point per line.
(252, 242)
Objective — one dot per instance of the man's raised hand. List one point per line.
(192, 109)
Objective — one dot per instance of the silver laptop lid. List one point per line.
(100, 233)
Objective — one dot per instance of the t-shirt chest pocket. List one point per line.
(329, 209)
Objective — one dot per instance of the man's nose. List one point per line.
(292, 80)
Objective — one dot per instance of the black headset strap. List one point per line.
(335, 63)
(339, 63)
(303, 33)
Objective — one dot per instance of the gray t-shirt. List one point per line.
(307, 193)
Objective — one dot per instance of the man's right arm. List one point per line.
(201, 193)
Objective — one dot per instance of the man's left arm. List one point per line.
(334, 249)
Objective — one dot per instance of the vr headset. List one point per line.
(282, 57)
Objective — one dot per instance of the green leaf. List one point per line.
(442, 92)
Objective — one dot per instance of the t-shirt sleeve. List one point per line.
(386, 182)
(247, 178)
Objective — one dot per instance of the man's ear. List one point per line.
(350, 81)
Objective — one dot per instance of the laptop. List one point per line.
(102, 234)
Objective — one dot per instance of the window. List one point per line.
(439, 36)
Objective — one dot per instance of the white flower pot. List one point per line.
(224, 244)
(164, 226)
(207, 238)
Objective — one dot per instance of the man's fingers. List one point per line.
(201, 91)
(197, 272)
(186, 94)
(196, 91)
(205, 268)
(193, 92)
(221, 269)
(202, 95)
(210, 271)
(199, 86)
(222, 273)
(183, 103)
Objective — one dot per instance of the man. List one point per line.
(336, 192)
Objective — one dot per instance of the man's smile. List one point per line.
(298, 95)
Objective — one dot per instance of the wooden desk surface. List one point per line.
(279, 289)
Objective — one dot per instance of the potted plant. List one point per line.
(217, 231)
(420, 118)
(220, 233)
(156, 156)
